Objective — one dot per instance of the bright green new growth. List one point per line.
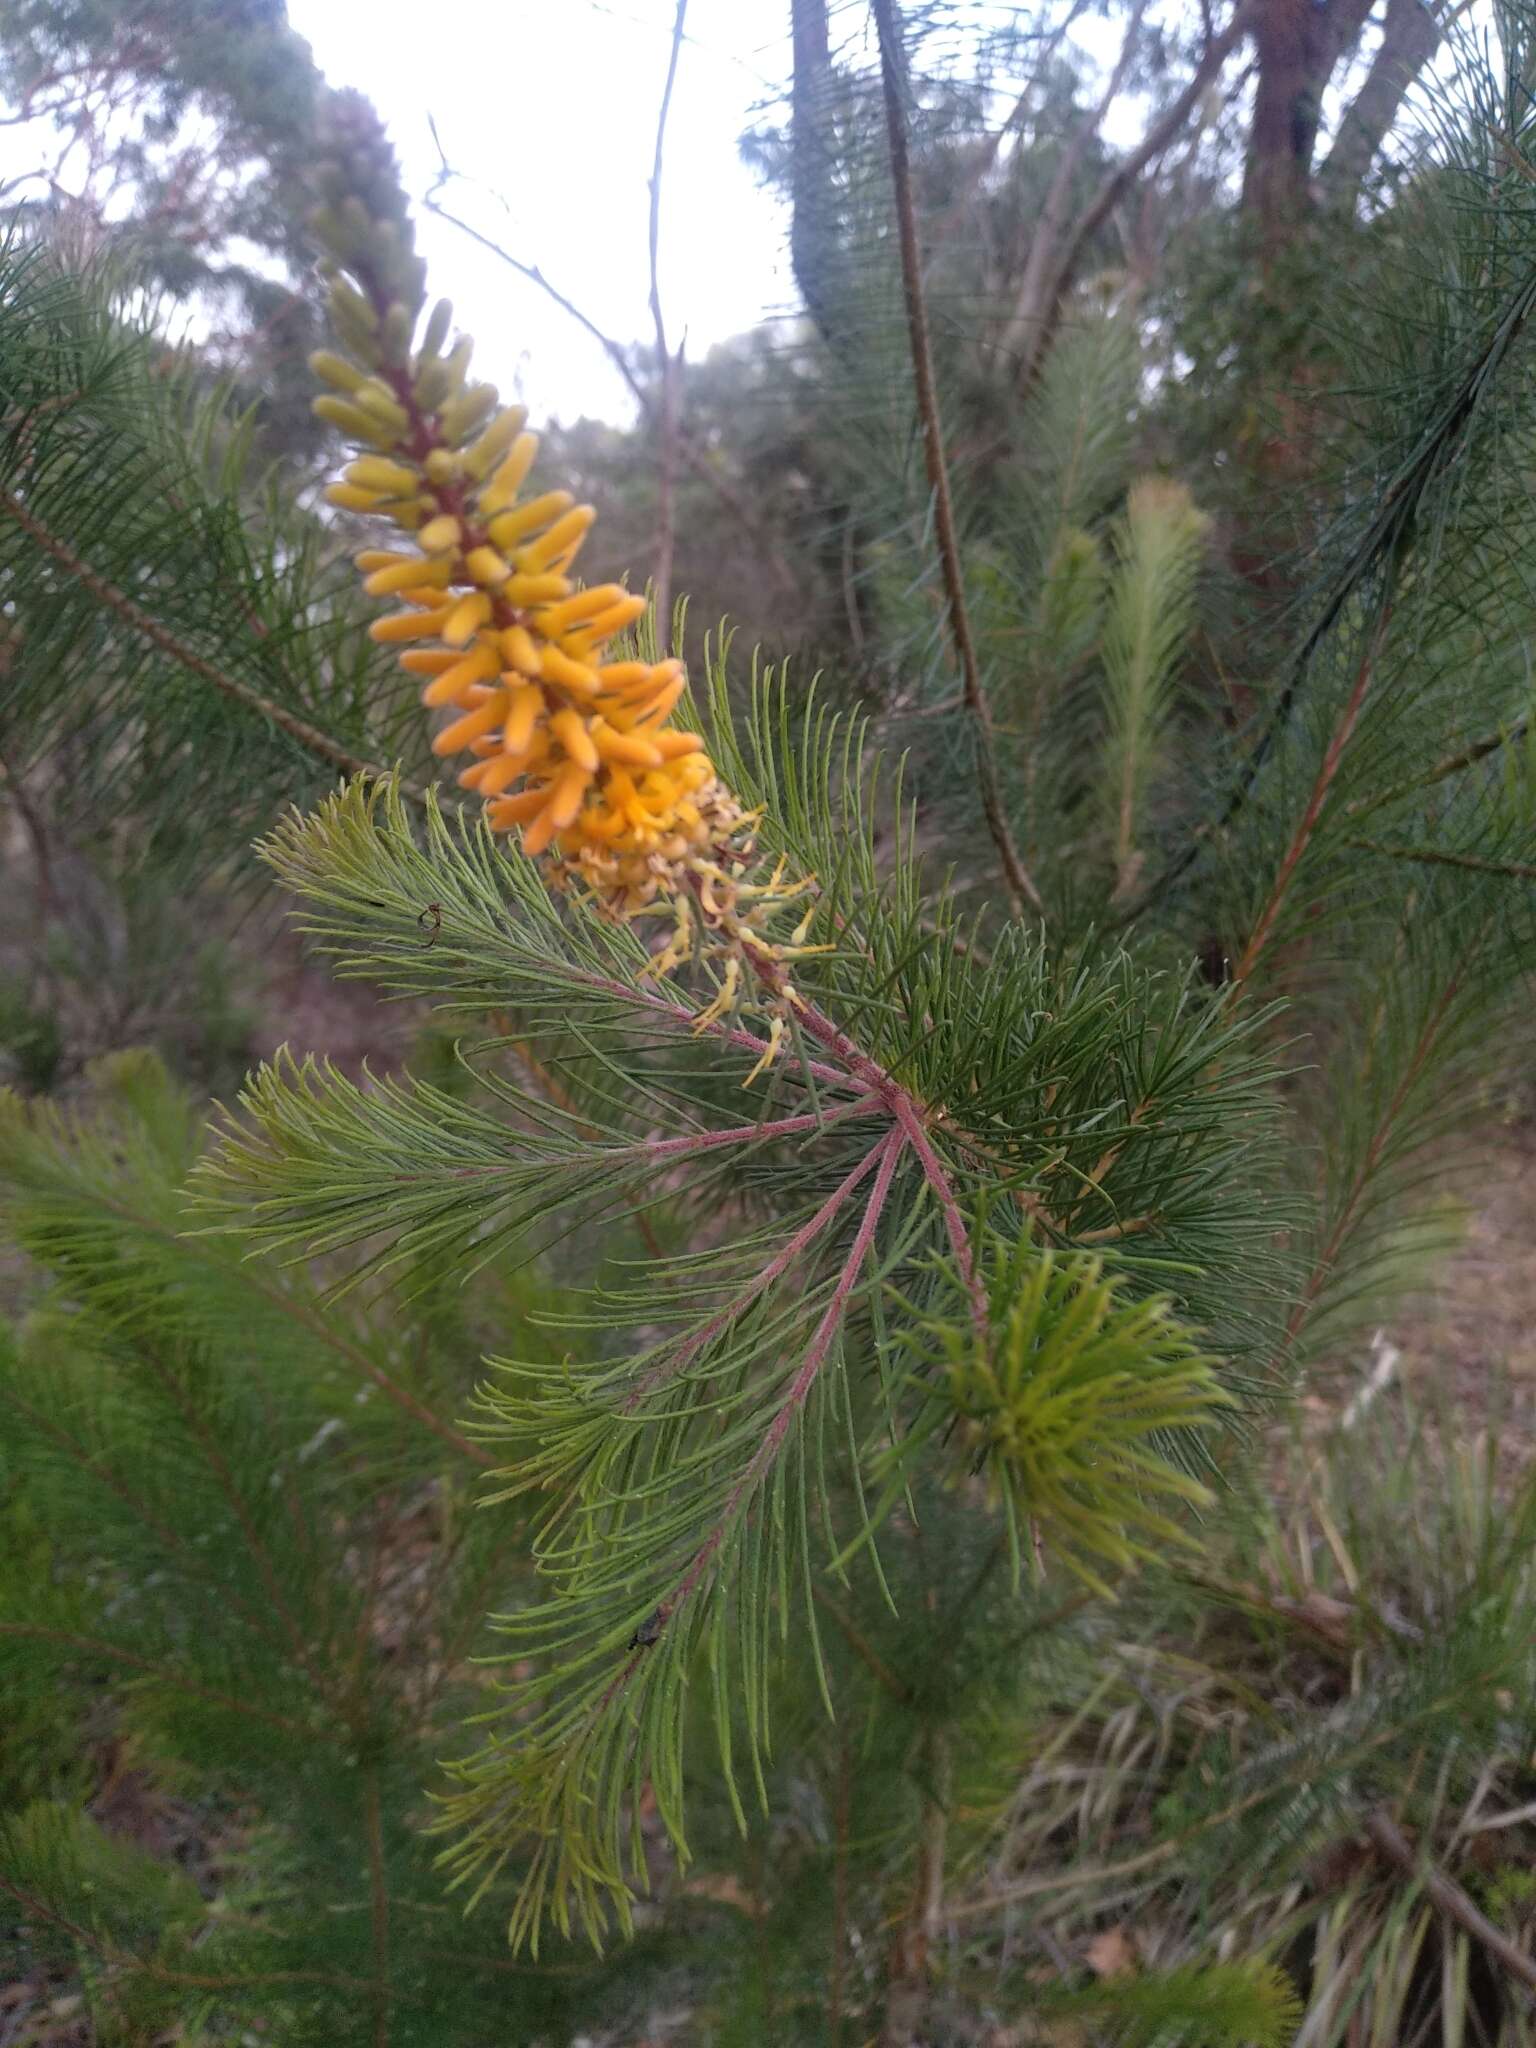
(1150, 611)
(1069, 1409)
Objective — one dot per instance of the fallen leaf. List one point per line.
(1111, 1954)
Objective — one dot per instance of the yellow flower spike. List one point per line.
(572, 750)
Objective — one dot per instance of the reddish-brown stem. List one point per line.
(1301, 838)
(744, 1134)
(910, 1115)
(803, 1238)
(888, 1152)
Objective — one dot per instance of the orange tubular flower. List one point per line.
(572, 748)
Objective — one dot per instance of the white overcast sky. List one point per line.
(551, 105)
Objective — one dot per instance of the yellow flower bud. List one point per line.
(351, 499)
(512, 475)
(584, 605)
(478, 666)
(336, 371)
(565, 535)
(536, 589)
(516, 810)
(438, 322)
(494, 442)
(466, 618)
(507, 528)
(524, 703)
(571, 732)
(351, 420)
(671, 743)
(440, 533)
(405, 576)
(374, 398)
(409, 626)
(614, 619)
(375, 474)
(461, 416)
(487, 567)
(453, 739)
(442, 467)
(496, 773)
(571, 675)
(624, 746)
(521, 650)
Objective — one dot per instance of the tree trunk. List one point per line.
(1409, 38)
(1298, 43)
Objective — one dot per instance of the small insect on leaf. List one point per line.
(649, 1630)
(431, 922)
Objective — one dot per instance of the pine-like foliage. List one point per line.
(179, 653)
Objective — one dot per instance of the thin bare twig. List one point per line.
(695, 457)
(1448, 1897)
(1301, 838)
(1157, 139)
(1021, 889)
(1439, 856)
(1448, 764)
(668, 371)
